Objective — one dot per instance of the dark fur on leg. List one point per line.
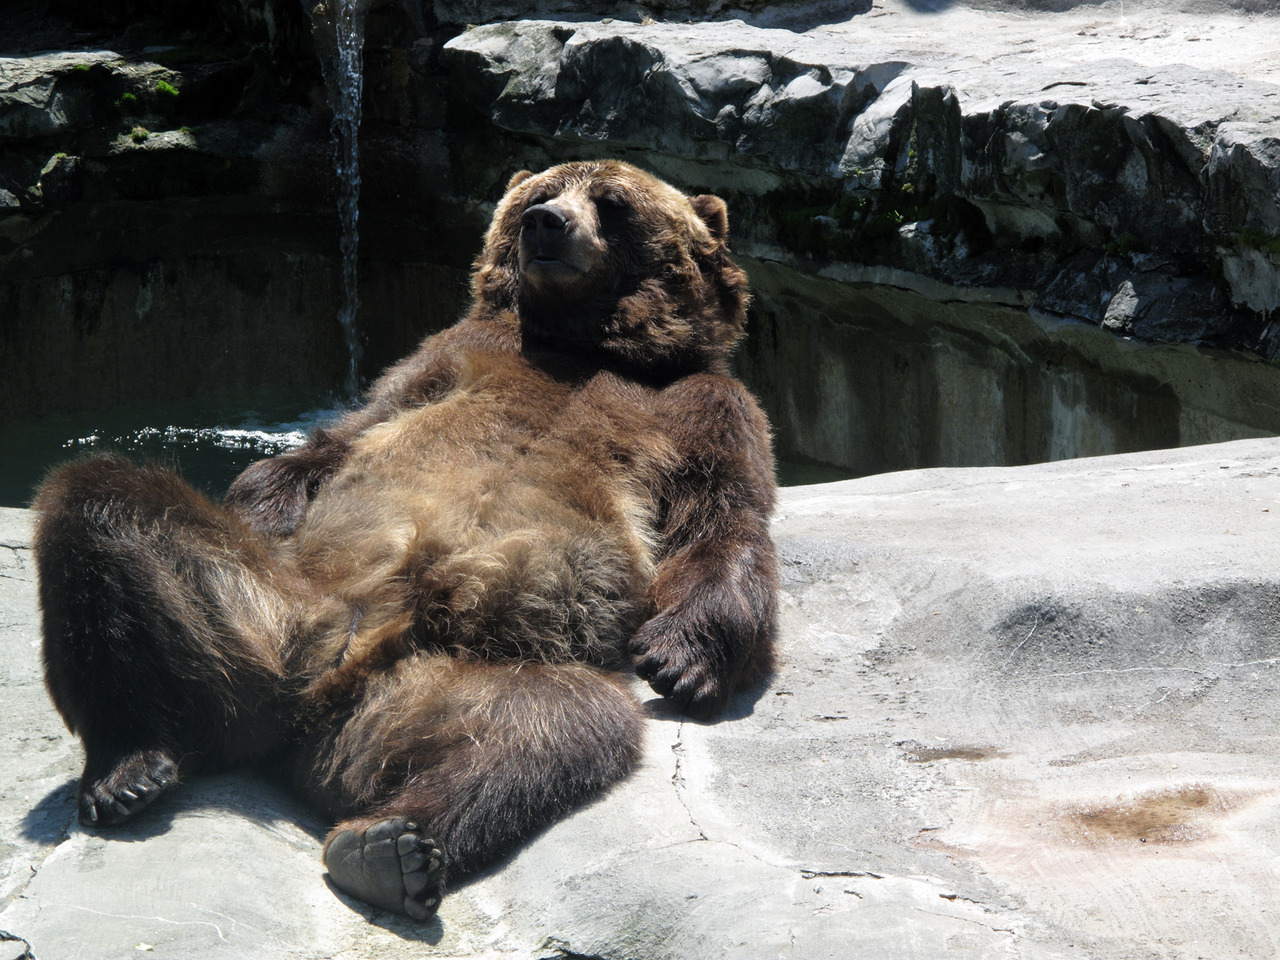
(161, 630)
(478, 755)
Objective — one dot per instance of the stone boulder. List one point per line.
(1092, 185)
(1020, 711)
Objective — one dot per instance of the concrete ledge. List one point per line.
(1022, 710)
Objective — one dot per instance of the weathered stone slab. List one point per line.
(1074, 161)
(1025, 711)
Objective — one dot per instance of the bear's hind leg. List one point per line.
(162, 631)
(465, 757)
(113, 791)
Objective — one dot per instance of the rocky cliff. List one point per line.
(978, 233)
(959, 224)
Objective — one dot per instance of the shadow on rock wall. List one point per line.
(954, 263)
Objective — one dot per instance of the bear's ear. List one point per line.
(713, 213)
(518, 179)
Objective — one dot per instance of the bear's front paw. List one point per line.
(388, 864)
(681, 665)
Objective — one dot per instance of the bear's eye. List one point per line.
(614, 213)
(612, 201)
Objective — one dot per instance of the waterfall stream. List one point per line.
(349, 28)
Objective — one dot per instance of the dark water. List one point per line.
(800, 474)
(208, 444)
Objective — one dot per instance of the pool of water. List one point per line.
(208, 444)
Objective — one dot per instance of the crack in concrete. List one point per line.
(678, 781)
(9, 876)
(563, 951)
(680, 785)
(18, 550)
(955, 897)
(950, 916)
(240, 923)
(6, 936)
(814, 874)
(55, 843)
(130, 916)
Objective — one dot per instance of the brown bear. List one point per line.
(422, 613)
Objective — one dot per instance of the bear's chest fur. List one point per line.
(513, 514)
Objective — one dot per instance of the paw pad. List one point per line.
(389, 865)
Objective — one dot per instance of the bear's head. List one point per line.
(601, 256)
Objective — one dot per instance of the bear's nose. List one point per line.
(544, 221)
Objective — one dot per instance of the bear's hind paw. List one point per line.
(389, 864)
(134, 782)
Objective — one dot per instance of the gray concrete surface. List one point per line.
(1022, 712)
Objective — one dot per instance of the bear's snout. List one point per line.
(543, 228)
(559, 246)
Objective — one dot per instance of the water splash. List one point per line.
(349, 18)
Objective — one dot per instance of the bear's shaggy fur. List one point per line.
(423, 610)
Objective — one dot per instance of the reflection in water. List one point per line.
(208, 445)
(800, 474)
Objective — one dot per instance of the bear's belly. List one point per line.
(497, 544)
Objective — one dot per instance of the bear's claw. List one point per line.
(132, 784)
(389, 865)
(679, 668)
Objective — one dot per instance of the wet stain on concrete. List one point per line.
(1172, 815)
(922, 754)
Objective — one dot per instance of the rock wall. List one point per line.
(1064, 243)
(957, 260)
(875, 377)
(168, 220)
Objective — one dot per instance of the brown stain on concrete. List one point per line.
(1100, 861)
(1180, 814)
(920, 754)
(1185, 816)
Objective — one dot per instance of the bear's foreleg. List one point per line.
(465, 757)
(715, 583)
(713, 632)
(163, 627)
